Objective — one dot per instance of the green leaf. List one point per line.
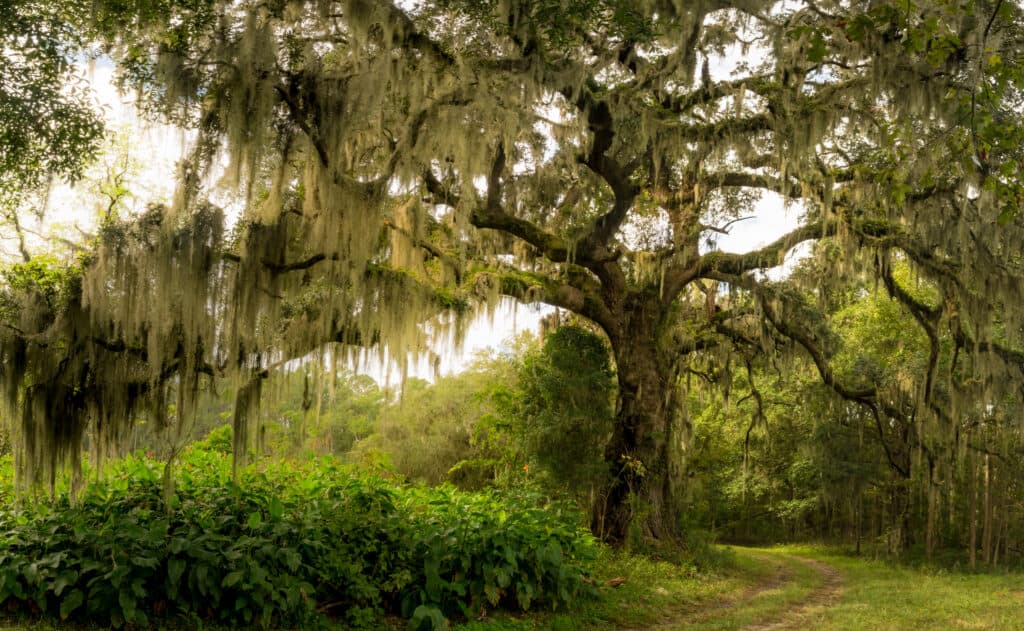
(276, 509)
(72, 601)
(138, 588)
(175, 568)
(127, 602)
(427, 618)
(63, 581)
(255, 519)
(232, 578)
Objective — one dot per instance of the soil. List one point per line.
(801, 615)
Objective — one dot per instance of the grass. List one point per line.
(793, 582)
(879, 595)
(766, 585)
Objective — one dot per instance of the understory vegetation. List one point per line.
(283, 547)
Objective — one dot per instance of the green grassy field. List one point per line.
(661, 595)
(877, 595)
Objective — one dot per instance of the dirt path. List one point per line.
(781, 574)
(799, 615)
(803, 615)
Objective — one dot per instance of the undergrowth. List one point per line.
(290, 545)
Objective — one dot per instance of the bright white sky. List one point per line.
(154, 149)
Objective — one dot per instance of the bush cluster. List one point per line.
(283, 547)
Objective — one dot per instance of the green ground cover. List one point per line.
(740, 588)
(880, 595)
(293, 545)
(778, 587)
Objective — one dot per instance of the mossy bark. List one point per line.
(642, 455)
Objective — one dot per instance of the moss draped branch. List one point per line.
(530, 287)
(714, 263)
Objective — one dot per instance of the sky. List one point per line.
(154, 149)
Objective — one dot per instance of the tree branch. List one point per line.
(527, 286)
(432, 249)
(771, 255)
(602, 124)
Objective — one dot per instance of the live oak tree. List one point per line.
(395, 159)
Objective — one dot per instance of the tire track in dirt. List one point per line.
(803, 614)
(703, 611)
(798, 616)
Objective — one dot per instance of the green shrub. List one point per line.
(283, 545)
(562, 412)
(491, 550)
(218, 440)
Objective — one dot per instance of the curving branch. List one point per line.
(528, 286)
(551, 246)
(715, 263)
(602, 125)
(885, 235)
(927, 317)
(711, 92)
(402, 29)
(866, 396)
(299, 116)
(862, 394)
(790, 190)
(719, 130)
(491, 214)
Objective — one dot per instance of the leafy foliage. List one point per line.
(607, 141)
(536, 416)
(48, 124)
(563, 412)
(282, 546)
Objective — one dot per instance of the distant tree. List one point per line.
(442, 432)
(562, 409)
(50, 127)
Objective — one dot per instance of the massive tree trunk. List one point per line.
(641, 455)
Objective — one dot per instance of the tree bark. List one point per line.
(641, 456)
(986, 537)
(933, 509)
(972, 545)
(860, 518)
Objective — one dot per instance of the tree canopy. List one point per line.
(49, 126)
(401, 160)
